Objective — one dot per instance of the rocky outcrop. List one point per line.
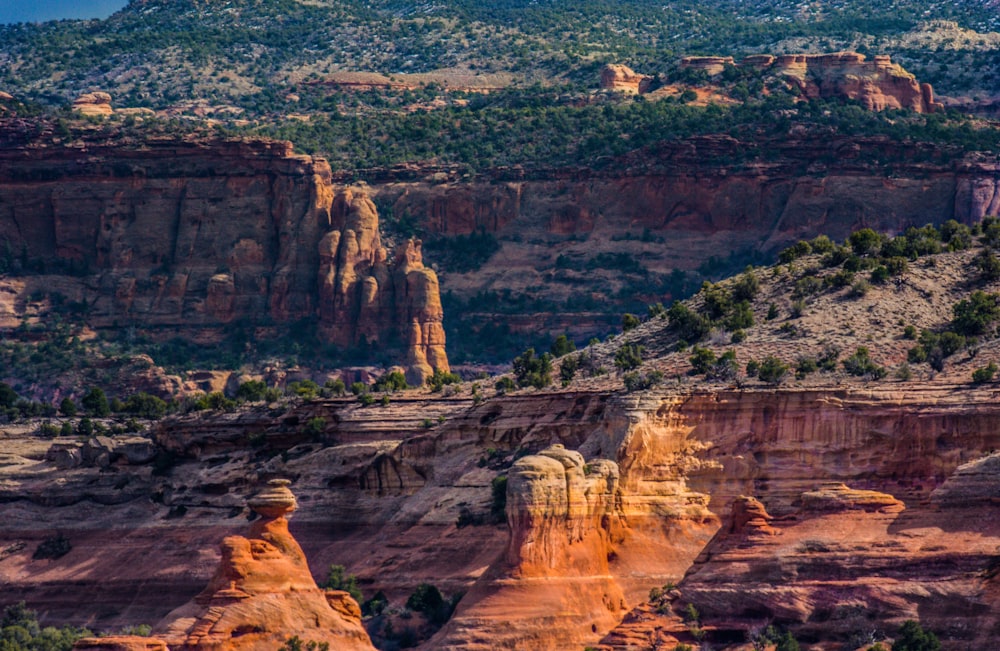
(710, 65)
(362, 293)
(878, 84)
(563, 518)
(622, 78)
(262, 593)
(198, 239)
(96, 104)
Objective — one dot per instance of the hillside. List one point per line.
(253, 55)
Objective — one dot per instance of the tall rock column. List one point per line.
(366, 300)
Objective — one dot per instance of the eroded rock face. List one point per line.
(96, 104)
(262, 593)
(366, 299)
(195, 239)
(553, 582)
(878, 84)
(623, 78)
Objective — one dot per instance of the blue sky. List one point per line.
(21, 11)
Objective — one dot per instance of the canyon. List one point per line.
(146, 235)
(869, 505)
(194, 239)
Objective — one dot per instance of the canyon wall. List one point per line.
(583, 246)
(878, 84)
(630, 501)
(196, 238)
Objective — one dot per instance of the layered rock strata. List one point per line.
(261, 595)
(622, 78)
(879, 84)
(199, 239)
(821, 540)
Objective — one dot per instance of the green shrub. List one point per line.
(498, 504)
(338, 579)
(718, 300)
(896, 265)
(306, 389)
(629, 357)
(842, 278)
(144, 405)
(568, 368)
(746, 287)
(795, 251)
(656, 311)
(861, 364)
(976, 314)
(67, 407)
(688, 325)
(879, 275)
(630, 322)
(96, 403)
(357, 388)
(391, 382)
(635, 381)
(563, 345)
(440, 378)
(912, 637)
(315, 426)
(987, 264)
(738, 336)
(804, 366)
(909, 332)
(427, 599)
(251, 391)
(533, 371)
(505, 384)
(772, 370)
(984, 374)
(725, 369)
(335, 387)
(772, 312)
(904, 373)
(740, 317)
(701, 359)
(366, 399)
(822, 244)
(865, 241)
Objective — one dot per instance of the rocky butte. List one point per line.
(879, 84)
(193, 239)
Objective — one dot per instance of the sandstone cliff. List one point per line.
(196, 238)
(879, 84)
(623, 78)
(381, 493)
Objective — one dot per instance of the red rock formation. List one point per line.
(552, 584)
(187, 238)
(97, 104)
(623, 78)
(364, 299)
(262, 594)
(878, 84)
(711, 65)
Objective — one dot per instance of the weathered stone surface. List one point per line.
(96, 104)
(263, 593)
(365, 299)
(191, 239)
(878, 84)
(120, 643)
(623, 78)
